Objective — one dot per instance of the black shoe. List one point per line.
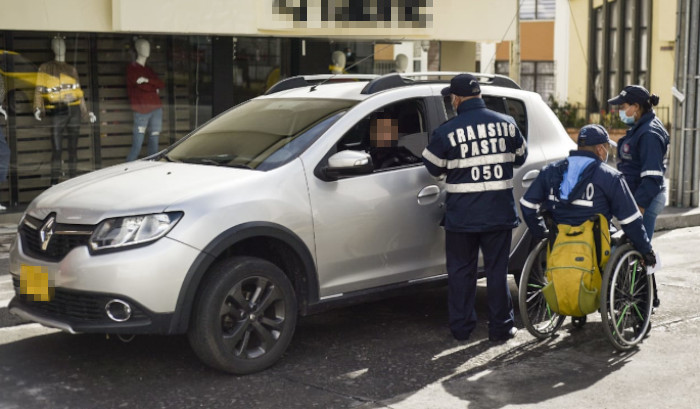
(657, 302)
(504, 337)
(460, 337)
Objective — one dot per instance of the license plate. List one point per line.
(34, 282)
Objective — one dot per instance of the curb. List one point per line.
(677, 217)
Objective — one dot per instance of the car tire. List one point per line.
(244, 316)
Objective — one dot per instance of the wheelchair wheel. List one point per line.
(626, 298)
(539, 320)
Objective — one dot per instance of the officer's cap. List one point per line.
(595, 134)
(463, 85)
(631, 94)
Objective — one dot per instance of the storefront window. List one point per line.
(83, 110)
(71, 109)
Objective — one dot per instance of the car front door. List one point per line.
(379, 228)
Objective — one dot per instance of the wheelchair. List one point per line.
(625, 298)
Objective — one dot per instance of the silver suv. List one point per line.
(274, 208)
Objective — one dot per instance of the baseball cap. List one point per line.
(595, 134)
(631, 94)
(463, 85)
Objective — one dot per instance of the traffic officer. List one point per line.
(476, 151)
(641, 152)
(581, 186)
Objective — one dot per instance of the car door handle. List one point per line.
(429, 194)
(431, 190)
(531, 175)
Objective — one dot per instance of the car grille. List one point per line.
(64, 238)
(75, 305)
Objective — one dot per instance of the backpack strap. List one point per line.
(552, 228)
(596, 239)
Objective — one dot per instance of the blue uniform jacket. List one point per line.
(642, 152)
(579, 187)
(476, 150)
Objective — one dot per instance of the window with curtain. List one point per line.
(537, 9)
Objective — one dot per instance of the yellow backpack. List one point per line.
(574, 264)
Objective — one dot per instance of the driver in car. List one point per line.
(384, 139)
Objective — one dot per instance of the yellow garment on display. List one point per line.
(57, 88)
(573, 269)
(62, 89)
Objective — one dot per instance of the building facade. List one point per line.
(209, 55)
(614, 43)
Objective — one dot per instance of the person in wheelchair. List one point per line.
(384, 138)
(581, 186)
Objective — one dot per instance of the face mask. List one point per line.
(629, 120)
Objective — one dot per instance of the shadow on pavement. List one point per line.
(364, 355)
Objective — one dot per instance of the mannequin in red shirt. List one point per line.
(143, 85)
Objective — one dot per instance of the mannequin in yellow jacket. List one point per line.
(58, 95)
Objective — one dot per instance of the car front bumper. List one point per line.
(87, 288)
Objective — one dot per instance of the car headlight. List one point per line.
(120, 232)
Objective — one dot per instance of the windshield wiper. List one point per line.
(168, 158)
(239, 166)
(216, 160)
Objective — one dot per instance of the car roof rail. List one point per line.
(395, 80)
(388, 81)
(300, 81)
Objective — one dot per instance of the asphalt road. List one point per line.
(391, 354)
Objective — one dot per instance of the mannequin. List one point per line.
(59, 96)
(338, 66)
(143, 85)
(400, 63)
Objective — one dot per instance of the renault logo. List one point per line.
(46, 232)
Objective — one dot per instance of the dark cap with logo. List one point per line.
(595, 134)
(463, 85)
(631, 94)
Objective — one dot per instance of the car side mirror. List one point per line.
(348, 162)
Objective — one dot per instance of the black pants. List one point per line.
(462, 253)
(65, 124)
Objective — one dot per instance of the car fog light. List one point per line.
(118, 310)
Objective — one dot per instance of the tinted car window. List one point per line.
(260, 134)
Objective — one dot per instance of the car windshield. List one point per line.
(260, 134)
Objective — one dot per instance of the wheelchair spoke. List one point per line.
(634, 273)
(639, 313)
(622, 316)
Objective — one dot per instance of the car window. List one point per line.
(394, 135)
(259, 134)
(508, 106)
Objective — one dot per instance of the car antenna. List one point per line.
(313, 87)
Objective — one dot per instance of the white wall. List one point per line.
(561, 50)
(488, 58)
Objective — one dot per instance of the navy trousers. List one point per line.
(462, 253)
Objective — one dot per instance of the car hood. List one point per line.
(140, 187)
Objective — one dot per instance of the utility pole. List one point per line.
(514, 69)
